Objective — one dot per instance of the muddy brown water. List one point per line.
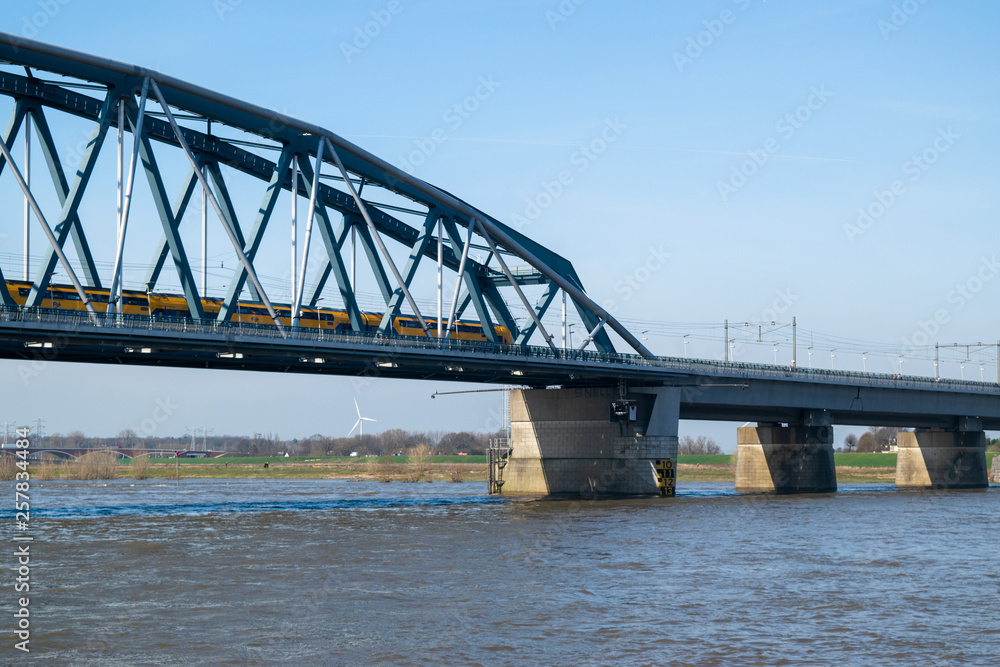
(355, 573)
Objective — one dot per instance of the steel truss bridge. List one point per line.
(151, 107)
(373, 203)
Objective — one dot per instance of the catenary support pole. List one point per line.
(313, 196)
(295, 221)
(440, 277)
(794, 345)
(27, 205)
(116, 273)
(564, 320)
(458, 280)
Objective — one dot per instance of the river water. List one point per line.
(357, 573)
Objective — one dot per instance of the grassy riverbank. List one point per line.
(385, 468)
(851, 468)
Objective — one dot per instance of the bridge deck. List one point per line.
(710, 389)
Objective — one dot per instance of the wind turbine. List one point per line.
(360, 424)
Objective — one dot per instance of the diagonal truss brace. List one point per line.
(472, 285)
(178, 210)
(409, 270)
(215, 204)
(378, 239)
(331, 245)
(541, 307)
(44, 135)
(517, 288)
(264, 213)
(167, 219)
(53, 242)
(72, 201)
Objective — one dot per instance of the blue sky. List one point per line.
(747, 136)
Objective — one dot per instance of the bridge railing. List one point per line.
(384, 344)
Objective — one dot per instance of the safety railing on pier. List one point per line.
(82, 321)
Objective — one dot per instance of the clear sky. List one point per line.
(835, 162)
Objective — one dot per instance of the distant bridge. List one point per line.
(119, 452)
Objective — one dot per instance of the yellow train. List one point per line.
(64, 297)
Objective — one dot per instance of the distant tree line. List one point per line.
(700, 445)
(875, 439)
(270, 444)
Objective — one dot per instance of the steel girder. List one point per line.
(481, 282)
(62, 190)
(71, 200)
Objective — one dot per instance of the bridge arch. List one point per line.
(219, 136)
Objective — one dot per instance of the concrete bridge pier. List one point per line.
(943, 459)
(797, 458)
(564, 442)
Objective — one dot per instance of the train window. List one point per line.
(24, 291)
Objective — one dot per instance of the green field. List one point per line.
(856, 460)
(852, 460)
(251, 460)
(705, 459)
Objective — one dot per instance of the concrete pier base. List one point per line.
(564, 443)
(785, 459)
(937, 459)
